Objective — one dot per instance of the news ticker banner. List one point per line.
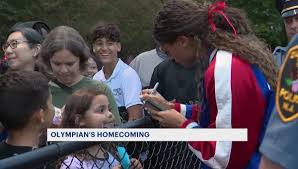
(141, 134)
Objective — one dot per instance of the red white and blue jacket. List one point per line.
(236, 95)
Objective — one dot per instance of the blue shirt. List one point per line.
(280, 142)
(279, 55)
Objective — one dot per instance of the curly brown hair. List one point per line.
(107, 30)
(186, 17)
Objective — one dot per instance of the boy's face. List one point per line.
(47, 114)
(107, 50)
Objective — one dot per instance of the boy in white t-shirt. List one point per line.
(122, 79)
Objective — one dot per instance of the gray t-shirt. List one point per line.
(145, 63)
(279, 144)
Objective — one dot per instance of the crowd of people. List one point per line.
(212, 71)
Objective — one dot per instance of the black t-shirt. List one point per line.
(176, 82)
(7, 150)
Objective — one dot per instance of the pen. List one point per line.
(153, 91)
(154, 88)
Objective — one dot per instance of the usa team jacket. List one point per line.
(236, 95)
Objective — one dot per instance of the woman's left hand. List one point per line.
(168, 118)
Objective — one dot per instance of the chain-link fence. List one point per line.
(153, 155)
(104, 155)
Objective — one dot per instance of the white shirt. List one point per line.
(124, 83)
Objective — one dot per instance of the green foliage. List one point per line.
(135, 18)
(265, 19)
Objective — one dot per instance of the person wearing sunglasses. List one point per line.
(22, 48)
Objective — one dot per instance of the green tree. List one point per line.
(135, 18)
(265, 19)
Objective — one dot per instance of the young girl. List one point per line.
(90, 108)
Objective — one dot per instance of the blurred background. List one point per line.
(135, 18)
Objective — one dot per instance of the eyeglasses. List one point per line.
(13, 44)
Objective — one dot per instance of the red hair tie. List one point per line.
(217, 7)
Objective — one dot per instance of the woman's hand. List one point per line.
(168, 118)
(157, 99)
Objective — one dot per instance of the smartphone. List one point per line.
(153, 105)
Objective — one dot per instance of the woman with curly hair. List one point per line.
(238, 83)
